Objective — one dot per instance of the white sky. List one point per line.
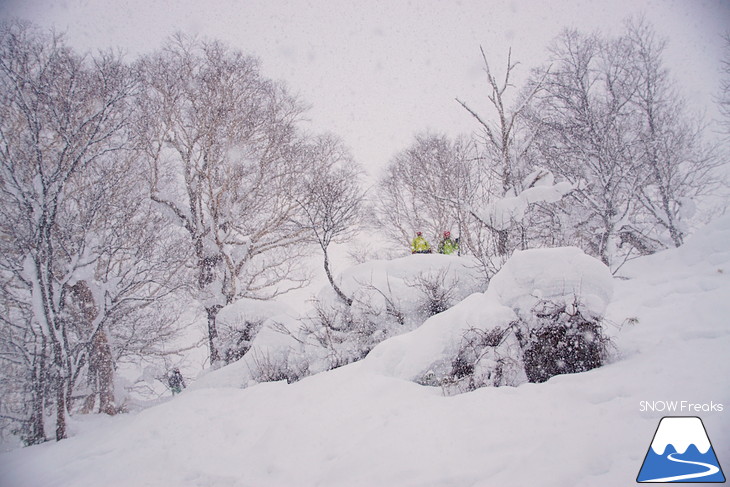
(378, 72)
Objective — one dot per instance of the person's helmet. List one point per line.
(447, 234)
(419, 234)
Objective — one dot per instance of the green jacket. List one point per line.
(420, 246)
(448, 246)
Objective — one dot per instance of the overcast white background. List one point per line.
(378, 72)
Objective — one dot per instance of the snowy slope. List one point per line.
(358, 426)
(559, 275)
(368, 284)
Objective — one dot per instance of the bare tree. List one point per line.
(60, 115)
(582, 131)
(723, 97)
(86, 275)
(500, 138)
(610, 121)
(332, 201)
(429, 187)
(224, 156)
(678, 168)
(117, 302)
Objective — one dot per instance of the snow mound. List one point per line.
(390, 298)
(430, 349)
(399, 279)
(357, 426)
(561, 276)
(236, 317)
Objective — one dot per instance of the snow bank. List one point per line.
(355, 426)
(379, 289)
(561, 276)
(399, 280)
(430, 349)
(235, 316)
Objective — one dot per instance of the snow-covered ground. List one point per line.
(364, 424)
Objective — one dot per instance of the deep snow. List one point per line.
(362, 425)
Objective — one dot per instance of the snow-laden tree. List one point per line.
(429, 187)
(503, 150)
(723, 97)
(225, 157)
(332, 202)
(677, 168)
(77, 260)
(584, 132)
(120, 300)
(609, 121)
(61, 113)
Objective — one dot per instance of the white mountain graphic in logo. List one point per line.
(681, 452)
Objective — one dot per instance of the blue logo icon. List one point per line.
(681, 452)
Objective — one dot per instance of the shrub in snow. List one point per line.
(559, 297)
(236, 340)
(268, 367)
(239, 323)
(343, 336)
(438, 290)
(390, 298)
(560, 341)
(541, 316)
(485, 358)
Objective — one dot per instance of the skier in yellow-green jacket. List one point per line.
(448, 246)
(420, 245)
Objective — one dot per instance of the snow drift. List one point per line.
(530, 280)
(390, 298)
(363, 425)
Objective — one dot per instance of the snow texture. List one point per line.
(541, 187)
(560, 276)
(370, 284)
(363, 425)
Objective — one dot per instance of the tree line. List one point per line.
(602, 114)
(128, 188)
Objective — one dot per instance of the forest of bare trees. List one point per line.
(185, 176)
(601, 114)
(127, 188)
